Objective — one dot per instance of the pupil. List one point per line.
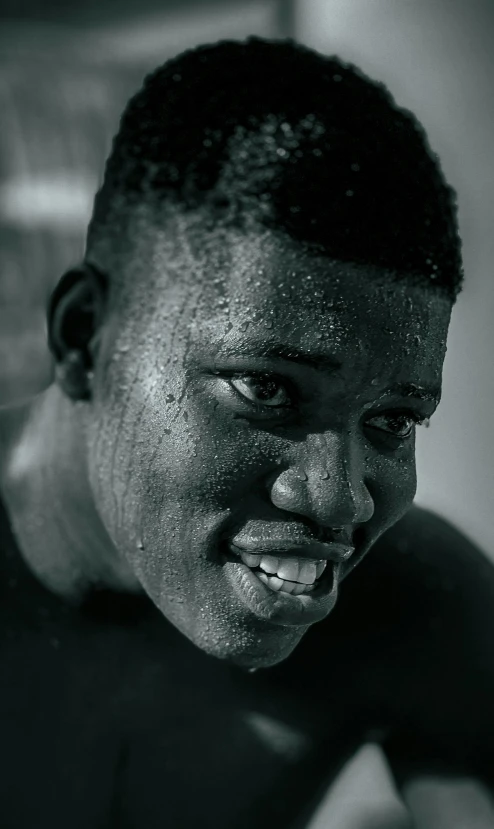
(264, 389)
(399, 423)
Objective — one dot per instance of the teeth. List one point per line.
(294, 570)
(307, 573)
(286, 575)
(250, 559)
(272, 581)
(269, 564)
(280, 586)
(288, 569)
(320, 568)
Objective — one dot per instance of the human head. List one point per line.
(234, 160)
(275, 133)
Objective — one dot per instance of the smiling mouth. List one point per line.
(288, 573)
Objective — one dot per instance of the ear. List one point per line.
(75, 313)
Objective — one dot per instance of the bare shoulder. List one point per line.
(423, 576)
(438, 590)
(435, 542)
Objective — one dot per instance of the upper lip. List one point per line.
(336, 551)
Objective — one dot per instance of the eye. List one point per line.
(399, 424)
(261, 389)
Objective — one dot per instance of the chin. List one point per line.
(255, 649)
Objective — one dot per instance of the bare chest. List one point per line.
(102, 737)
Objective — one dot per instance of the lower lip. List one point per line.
(278, 607)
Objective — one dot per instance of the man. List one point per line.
(257, 327)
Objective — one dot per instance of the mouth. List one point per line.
(295, 585)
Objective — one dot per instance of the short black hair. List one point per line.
(274, 132)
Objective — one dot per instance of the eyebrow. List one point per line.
(420, 392)
(322, 361)
(279, 351)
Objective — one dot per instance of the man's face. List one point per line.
(254, 407)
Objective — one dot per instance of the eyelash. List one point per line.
(260, 376)
(409, 414)
(395, 414)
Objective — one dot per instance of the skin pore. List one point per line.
(242, 386)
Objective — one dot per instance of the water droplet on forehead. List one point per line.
(169, 398)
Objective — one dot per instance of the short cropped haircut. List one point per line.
(274, 133)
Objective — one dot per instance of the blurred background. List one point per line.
(66, 71)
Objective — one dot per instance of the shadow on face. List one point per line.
(246, 388)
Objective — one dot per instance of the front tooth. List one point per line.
(269, 564)
(287, 587)
(298, 589)
(289, 570)
(307, 573)
(320, 568)
(250, 559)
(275, 583)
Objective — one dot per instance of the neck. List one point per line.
(47, 494)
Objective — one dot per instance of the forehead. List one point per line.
(272, 287)
(262, 290)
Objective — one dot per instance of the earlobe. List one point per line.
(73, 377)
(74, 316)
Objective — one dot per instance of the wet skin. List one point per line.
(183, 452)
(271, 391)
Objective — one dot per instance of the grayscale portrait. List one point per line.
(226, 599)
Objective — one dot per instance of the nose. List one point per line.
(326, 482)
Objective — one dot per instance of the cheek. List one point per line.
(164, 456)
(393, 485)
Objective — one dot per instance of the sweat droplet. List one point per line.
(169, 398)
(140, 545)
(325, 475)
(302, 476)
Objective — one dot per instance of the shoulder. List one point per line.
(441, 586)
(410, 645)
(437, 574)
(420, 582)
(428, 569)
